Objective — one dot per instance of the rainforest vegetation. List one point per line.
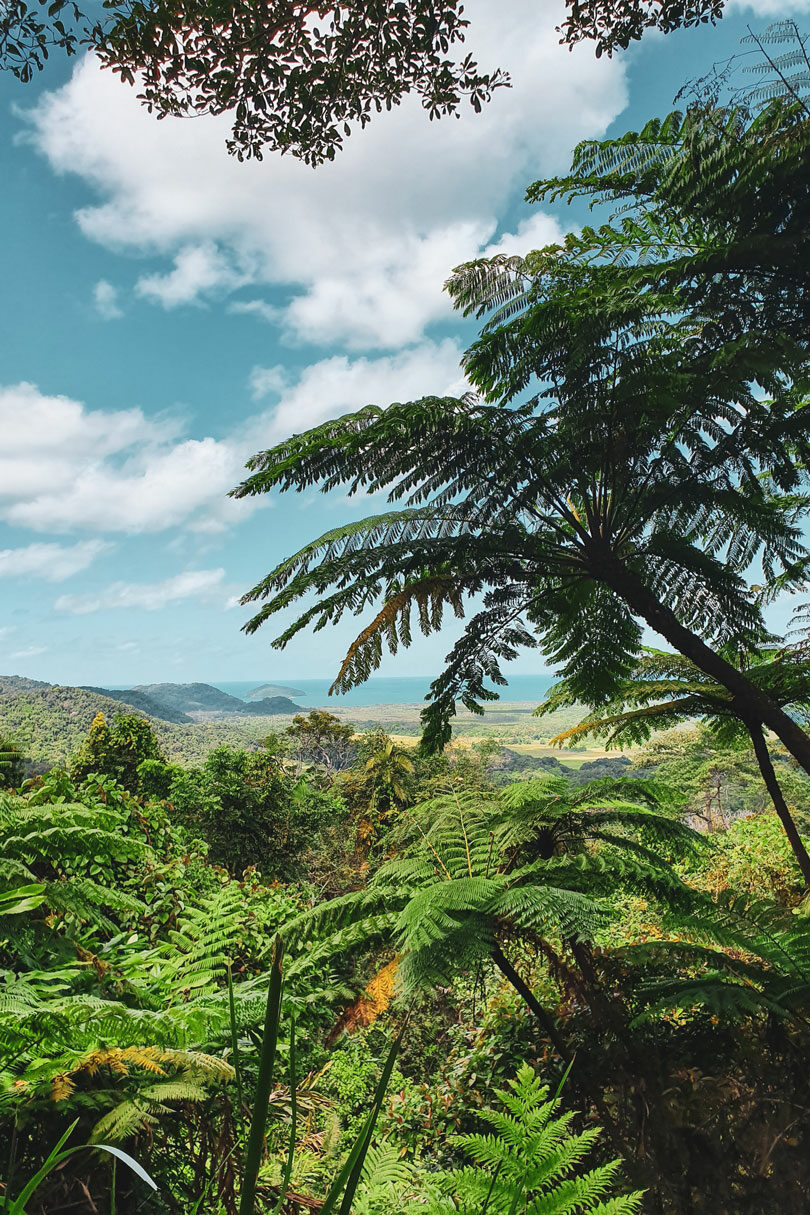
(336, 970)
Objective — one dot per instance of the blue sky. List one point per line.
(167, 311)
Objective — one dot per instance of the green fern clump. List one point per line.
(537, 860)
(389, 1185)
(531, 1163)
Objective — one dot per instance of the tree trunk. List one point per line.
(585, 1092)
(778, 799)
(532, 1003)
(757, 704)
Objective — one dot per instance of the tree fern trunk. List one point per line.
(758, 706)
(586, 1092)
(778, 799)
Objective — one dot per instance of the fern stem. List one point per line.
(532, 1003)
(778, 799)
(542, 1015)
(237, 1061)
(264, 1084)
(464, 833)
(12, 1160)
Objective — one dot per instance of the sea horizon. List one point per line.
(381, 690)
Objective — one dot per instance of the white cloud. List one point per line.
(260, 308)
(53, 562)
(115, 471)
(193, 584)
(105, 297)
(360, 247)
(198, 271)
(266, 380)
(770, 8)
(63, 466)
(535, 232)
(30, 652)
(341, 385)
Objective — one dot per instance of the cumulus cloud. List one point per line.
(63, 466)
(52, 562)
(341, 385)
(105, 297)
(360, 248)
(193, 584)
(535, 232)
(198, 270)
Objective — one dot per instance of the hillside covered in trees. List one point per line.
(49, 721)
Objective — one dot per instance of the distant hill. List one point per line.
(269, 690)
(191, 697)
(12, 684)
(203, 698)
(271, 705)
(49, 722)
(134, 699)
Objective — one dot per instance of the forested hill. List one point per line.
(132, 698)
(48, 721)
(203, 698)
(12, 684)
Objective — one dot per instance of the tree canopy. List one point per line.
(297, 77)
(636, 451)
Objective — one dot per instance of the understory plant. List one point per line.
(531, 1162)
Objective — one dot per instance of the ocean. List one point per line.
(390, 690)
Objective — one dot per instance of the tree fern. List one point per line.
(538, 861)
(749, 957)
(637, 483)
(192, 959)
(533, 1162)
(665, 690)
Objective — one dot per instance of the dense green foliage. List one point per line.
(294, 84)
(539, 920)
(296, 89)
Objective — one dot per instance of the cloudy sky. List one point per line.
(167, 311)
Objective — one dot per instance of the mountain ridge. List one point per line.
(49, 721)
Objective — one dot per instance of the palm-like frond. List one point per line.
(665, 689)
(748, 957)
(536, 860)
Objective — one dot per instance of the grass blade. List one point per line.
(288, 1167)
(57, 1157)
(349, 1176)
(53, 1158)
(264, 1085)
(237, 1061)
